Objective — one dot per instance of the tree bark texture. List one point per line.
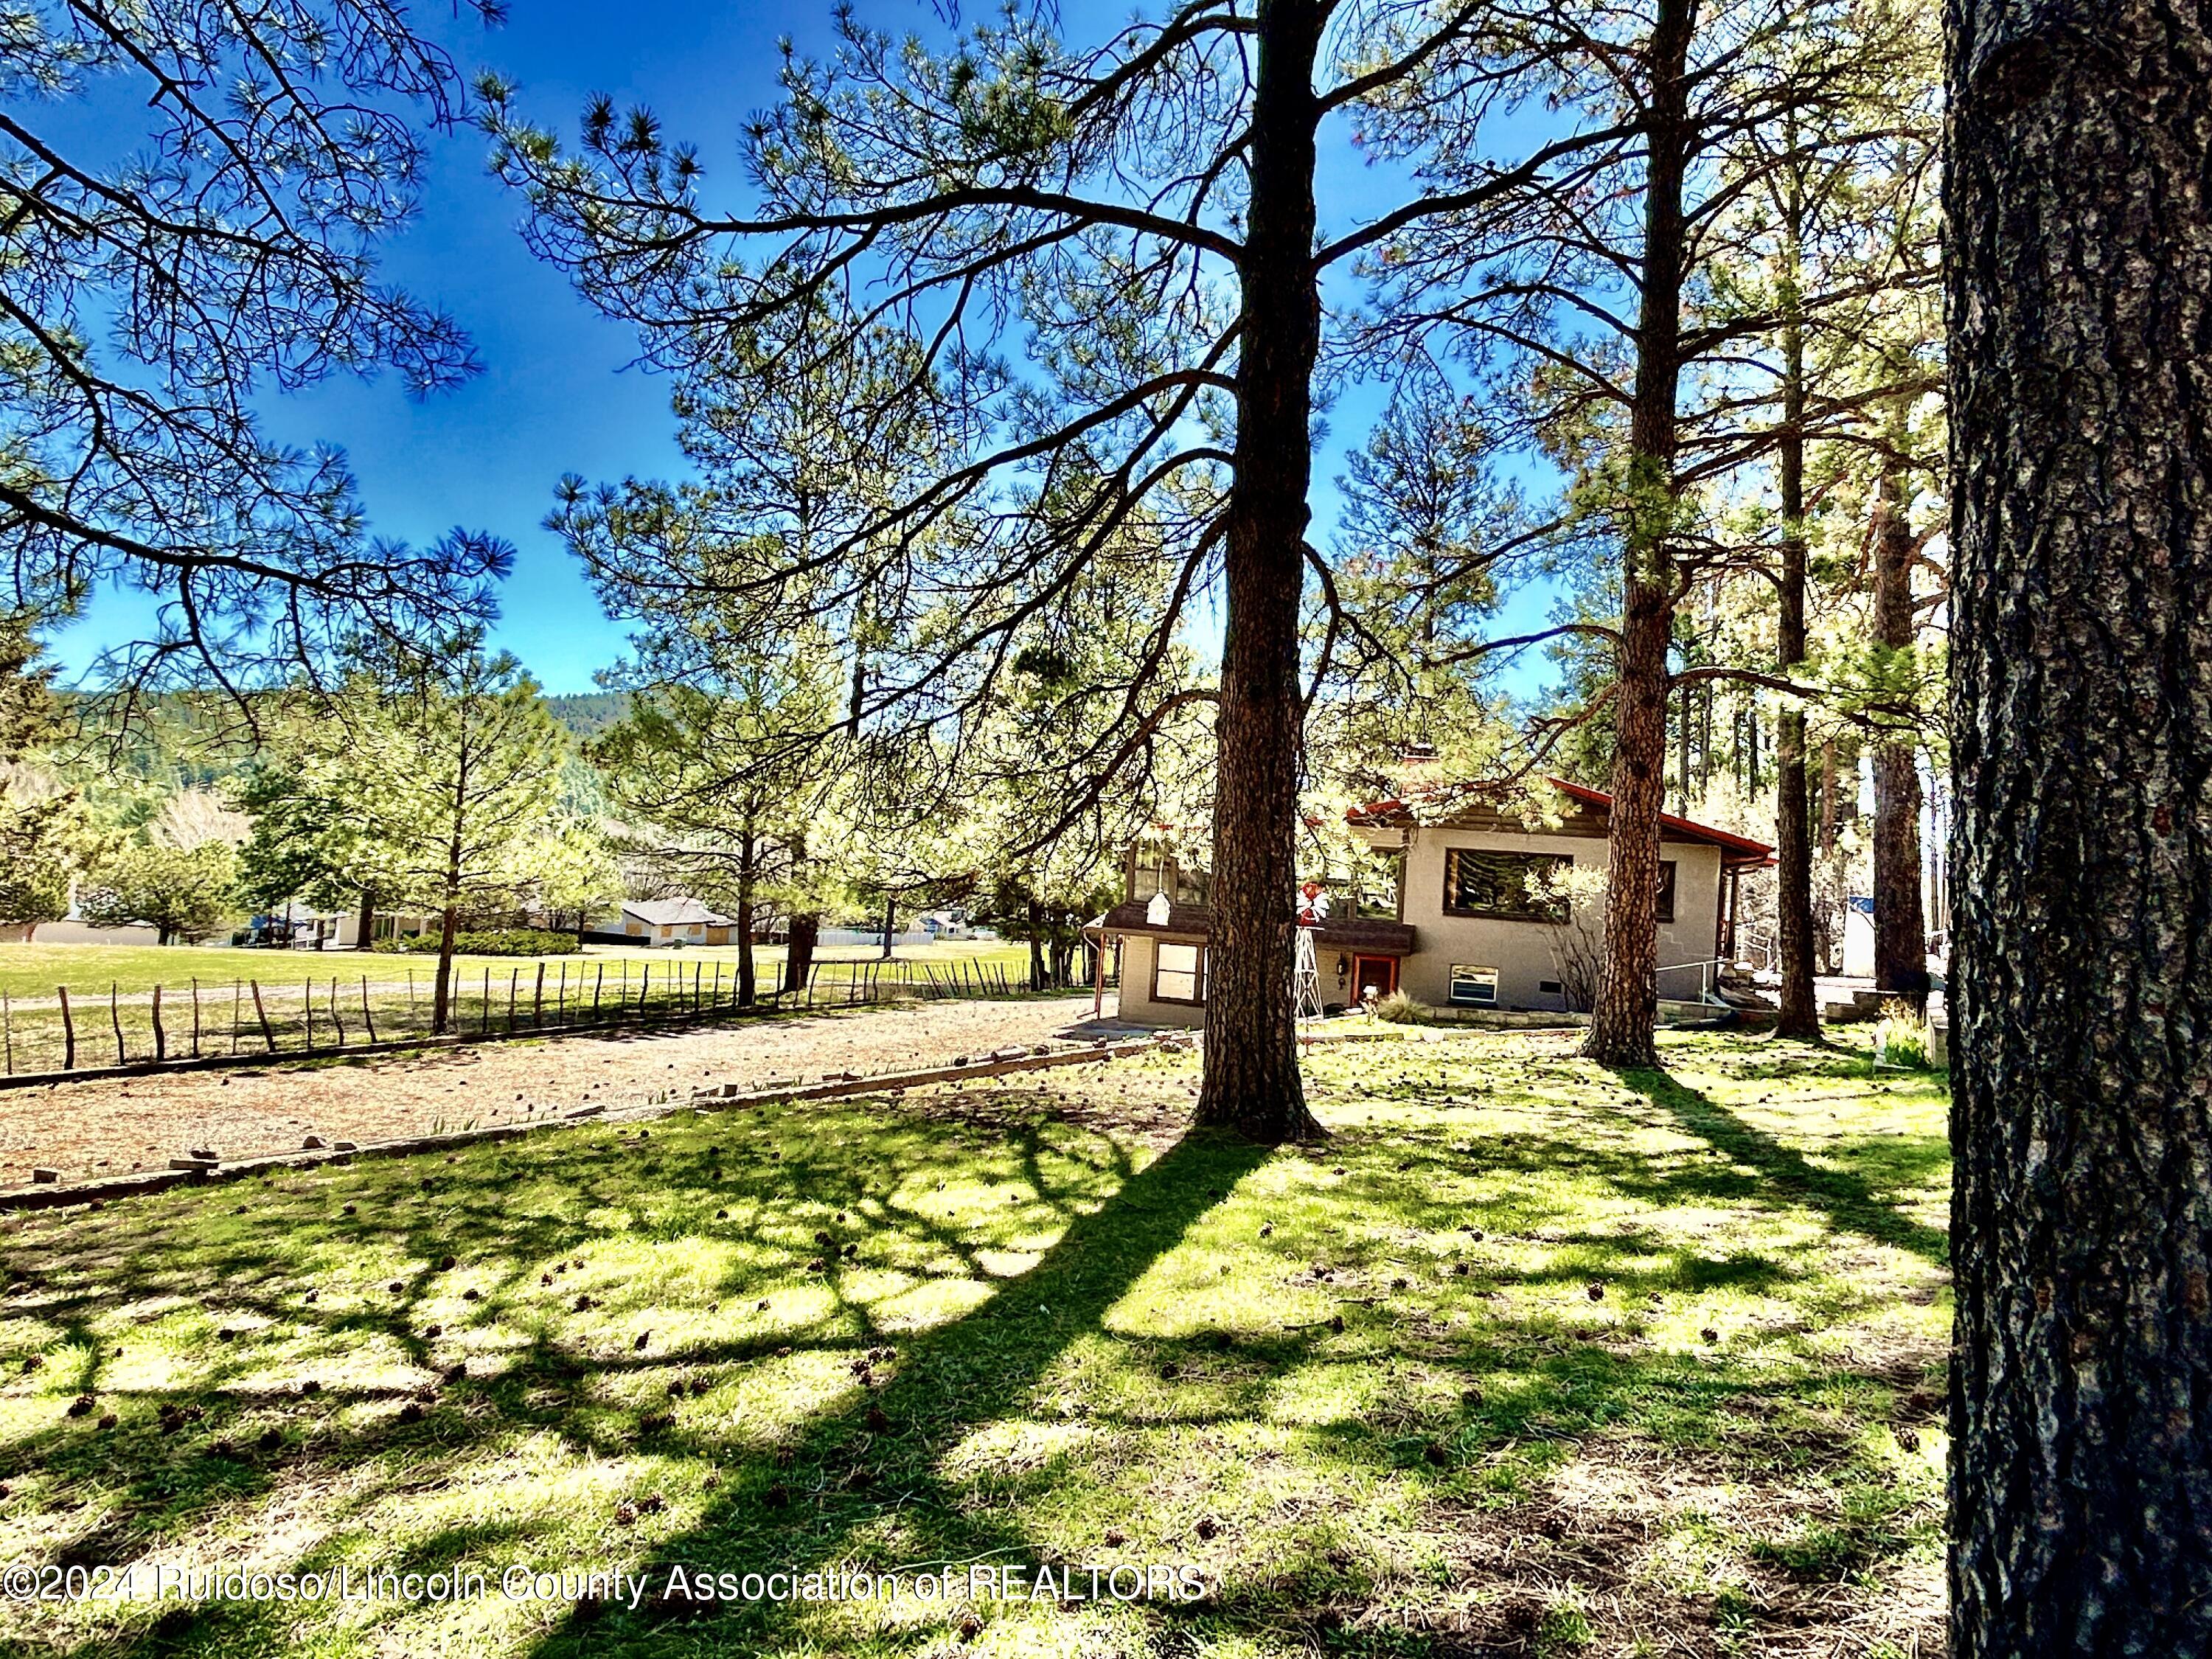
(1621, 1021)
(805, 932)
(1252, 1083)
(2079, 300)
(1900, 921)
(365, 935)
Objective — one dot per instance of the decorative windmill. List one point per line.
(1305, 972)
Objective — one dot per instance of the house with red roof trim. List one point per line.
(1469, 915)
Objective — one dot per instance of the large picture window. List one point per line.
(1178, 972)
(1507, 886)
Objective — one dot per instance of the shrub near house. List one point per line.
(506, 942)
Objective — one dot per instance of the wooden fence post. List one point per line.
(537, 999)
(196, 1016)
(368, 1019)
(484, 1026)
(512, 976)
(307, 1013)
(597, 980)
(160, 1036)
(68, 1032)
(337, 1025)
(261, 1012)
(7, 1027)
(115, 1016)
(234, 1022)
(644, 988)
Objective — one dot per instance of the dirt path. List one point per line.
(86, 1128)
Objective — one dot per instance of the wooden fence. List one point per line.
(321, 1014)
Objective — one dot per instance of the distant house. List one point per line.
(1465, 916)
(671, 921)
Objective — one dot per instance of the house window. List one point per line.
(1157, 872)
(1666, 890)
(1508, 886)
(1179, 972)
(1151, 873)
(1473, 988)
(1376, 892)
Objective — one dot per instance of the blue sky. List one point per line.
(555, 395)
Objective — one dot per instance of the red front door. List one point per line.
(1378, 975)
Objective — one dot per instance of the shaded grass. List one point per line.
(1529, 1357)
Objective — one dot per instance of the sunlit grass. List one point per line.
(221, 1002)
(32, 971)
(1527, 1352)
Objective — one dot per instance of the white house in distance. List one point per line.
(1465, 919)
(670, 922)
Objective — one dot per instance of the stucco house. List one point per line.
(1467, 916)
(671, 921)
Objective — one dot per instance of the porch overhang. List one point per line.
(1195, 923)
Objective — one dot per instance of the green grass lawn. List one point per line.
(109, 988)
(1529, 1357)
(34, 970)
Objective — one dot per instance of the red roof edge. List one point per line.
(1725, 839)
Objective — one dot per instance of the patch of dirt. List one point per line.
(114, 1127)
(1597, 1542)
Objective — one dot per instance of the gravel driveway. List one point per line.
(87, 1128)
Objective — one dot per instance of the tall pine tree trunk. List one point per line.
(1800, 1015)
(1252, 1082)
(1621, 1021)
(2079, 277)
(442, 995)
(805, 930)
(748, 880)
(1900, 925)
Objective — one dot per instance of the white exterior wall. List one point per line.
(1520, 951)
(1137, 1006)
(79, 932)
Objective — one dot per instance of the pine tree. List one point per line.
(1046, 287)
(1586, 293)
(2079, 296)
(155, 288)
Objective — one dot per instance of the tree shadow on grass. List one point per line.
(1076, 1376)
(1844, 1196)
(864, 1483)
(871, 1448)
